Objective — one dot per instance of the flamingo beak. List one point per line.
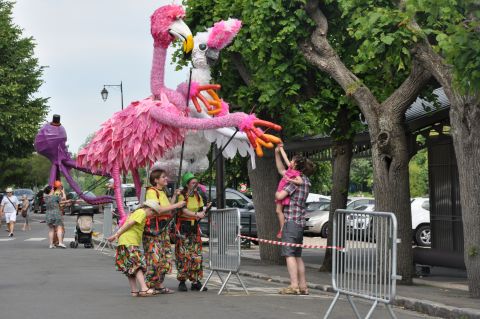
(180, 30)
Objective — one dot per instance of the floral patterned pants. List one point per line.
(158, 256)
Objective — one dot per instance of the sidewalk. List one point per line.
(445, 297)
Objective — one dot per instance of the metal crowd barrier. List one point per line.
(367, 266)
(224, 245)
(107, 227)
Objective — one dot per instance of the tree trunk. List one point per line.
(465, 121)
(264, 180)
(342, 158)
(391, 185)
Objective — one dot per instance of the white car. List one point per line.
(420, 208)
(421, 221)
(312, 197)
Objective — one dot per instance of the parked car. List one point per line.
(322, 204)
(420, 210)
(317, 219)
(421, 221)
(129, 195)
(19, 192)
(355, 202)
(312, 197)
(234, 199)
(77, 204)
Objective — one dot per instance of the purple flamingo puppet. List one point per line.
(146, 129)
(50, 142)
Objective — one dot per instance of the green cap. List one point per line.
(187, 177)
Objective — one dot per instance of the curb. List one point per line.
(421, 306)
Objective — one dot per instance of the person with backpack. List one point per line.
(156, 237)
(9, 207)
(188, 244)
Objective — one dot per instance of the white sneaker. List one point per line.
(61, 246)
(51, 246)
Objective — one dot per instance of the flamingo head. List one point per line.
(167, 24)
(209, 43)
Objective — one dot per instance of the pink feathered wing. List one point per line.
(131, 138)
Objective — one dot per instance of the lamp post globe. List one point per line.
(104, 94)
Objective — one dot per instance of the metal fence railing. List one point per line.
(367, 266)
(224, 245)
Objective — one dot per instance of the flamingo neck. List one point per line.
(157, 74)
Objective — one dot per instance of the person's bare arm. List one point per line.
(121, 230)
(166, 209)
(281, 195)
(297, 180)
(284, 156)
(278, 161)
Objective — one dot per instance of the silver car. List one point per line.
(317, 220)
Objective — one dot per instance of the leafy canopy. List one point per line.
(283, 87)
(20, 78)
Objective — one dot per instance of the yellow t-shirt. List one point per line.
(193, 204)
(133, 236)
(158, 196)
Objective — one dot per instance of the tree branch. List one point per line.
(407, 93)
(237, 60)
(318, 51)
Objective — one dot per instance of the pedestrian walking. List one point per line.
(156, 238)
(60, 229)
(294, 214)
(9, 208)
(26, 209)
(129, 259)
(290, 175)
(188, 242)
(53, 217)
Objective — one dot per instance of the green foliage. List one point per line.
(284, 87)
(20, 78)
(418, 169)
(361, 174)
(453, 28)
(382, 59)
(321, 179)
(29, 172)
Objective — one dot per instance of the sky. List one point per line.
(86, 44)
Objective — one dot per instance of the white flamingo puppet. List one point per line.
(206, 49)
(142, 132)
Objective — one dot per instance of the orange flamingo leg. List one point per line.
(259, 139)
(208, 103)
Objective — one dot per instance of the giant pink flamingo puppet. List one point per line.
(146, 129)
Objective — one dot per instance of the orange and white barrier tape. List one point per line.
(280, 243)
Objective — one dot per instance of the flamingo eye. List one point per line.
(202, 46)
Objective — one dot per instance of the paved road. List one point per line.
(38, 282)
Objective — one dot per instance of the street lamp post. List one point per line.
(104, 94)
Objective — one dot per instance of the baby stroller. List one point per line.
(84, 229)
